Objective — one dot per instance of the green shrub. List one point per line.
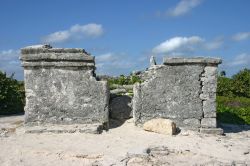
(241, 83)
(134, 79)
(238, 85)
(225, 87)
(124, 80)
(11, 95)
(234, 110)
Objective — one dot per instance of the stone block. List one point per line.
(80, 128)
(208, 123)
(215, 131)
(161, 126)
(211, 71)
(209, 108)
(192, 123)
(195, 60)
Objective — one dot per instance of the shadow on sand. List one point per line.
(11, 115)
(231, 123)
(114, 123)
(233, 128)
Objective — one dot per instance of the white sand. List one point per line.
(111, 147)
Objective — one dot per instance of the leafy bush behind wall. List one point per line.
(12, 95)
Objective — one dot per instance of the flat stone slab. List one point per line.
(196, 60)
(215, 131)
(58, 64)
(81, 128)
(47, 53)
(34, 49)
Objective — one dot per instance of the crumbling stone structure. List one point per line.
(61, 89)
(63, 95)
(183, 90)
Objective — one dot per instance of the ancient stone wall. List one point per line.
(182, 89)
(61, 88)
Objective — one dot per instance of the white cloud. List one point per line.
(181, 46)
(114, 64)
(75, 32)
(215, 44)
(240, 60)
(90, 30)
(10, 63)
(241, 36)
(183, 7)
(57, 37)
(177, 44)
(108, 57)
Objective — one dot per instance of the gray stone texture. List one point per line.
(208, 122)
(80, 128)
(208, 95)
(61, 88)
(195, 60)
(172, 92)
(182, 89)
(215, 131)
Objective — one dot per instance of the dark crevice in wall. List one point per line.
(201, 88)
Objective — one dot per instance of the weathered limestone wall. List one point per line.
(182, 89)
(61, 88)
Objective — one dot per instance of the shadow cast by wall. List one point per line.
(10, 115)
(114, 123)
(120, 110)
(231, 123)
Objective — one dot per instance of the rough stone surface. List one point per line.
(120, 107)
(82, 128)
(208, 122)
(208, 95)
(182, 89)
(162, 126)
(195, 60)
(191, 123)
(61, 88)
(215, 131)
(209, 108)
(171, 92)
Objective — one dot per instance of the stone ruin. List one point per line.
(62, 93)
(61, 89)
(183, 90)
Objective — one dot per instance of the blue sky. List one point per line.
(122, 35)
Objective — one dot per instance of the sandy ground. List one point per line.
(121, 145)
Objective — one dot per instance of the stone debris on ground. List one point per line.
(160, 125)
(123, 145)
(162, 155)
